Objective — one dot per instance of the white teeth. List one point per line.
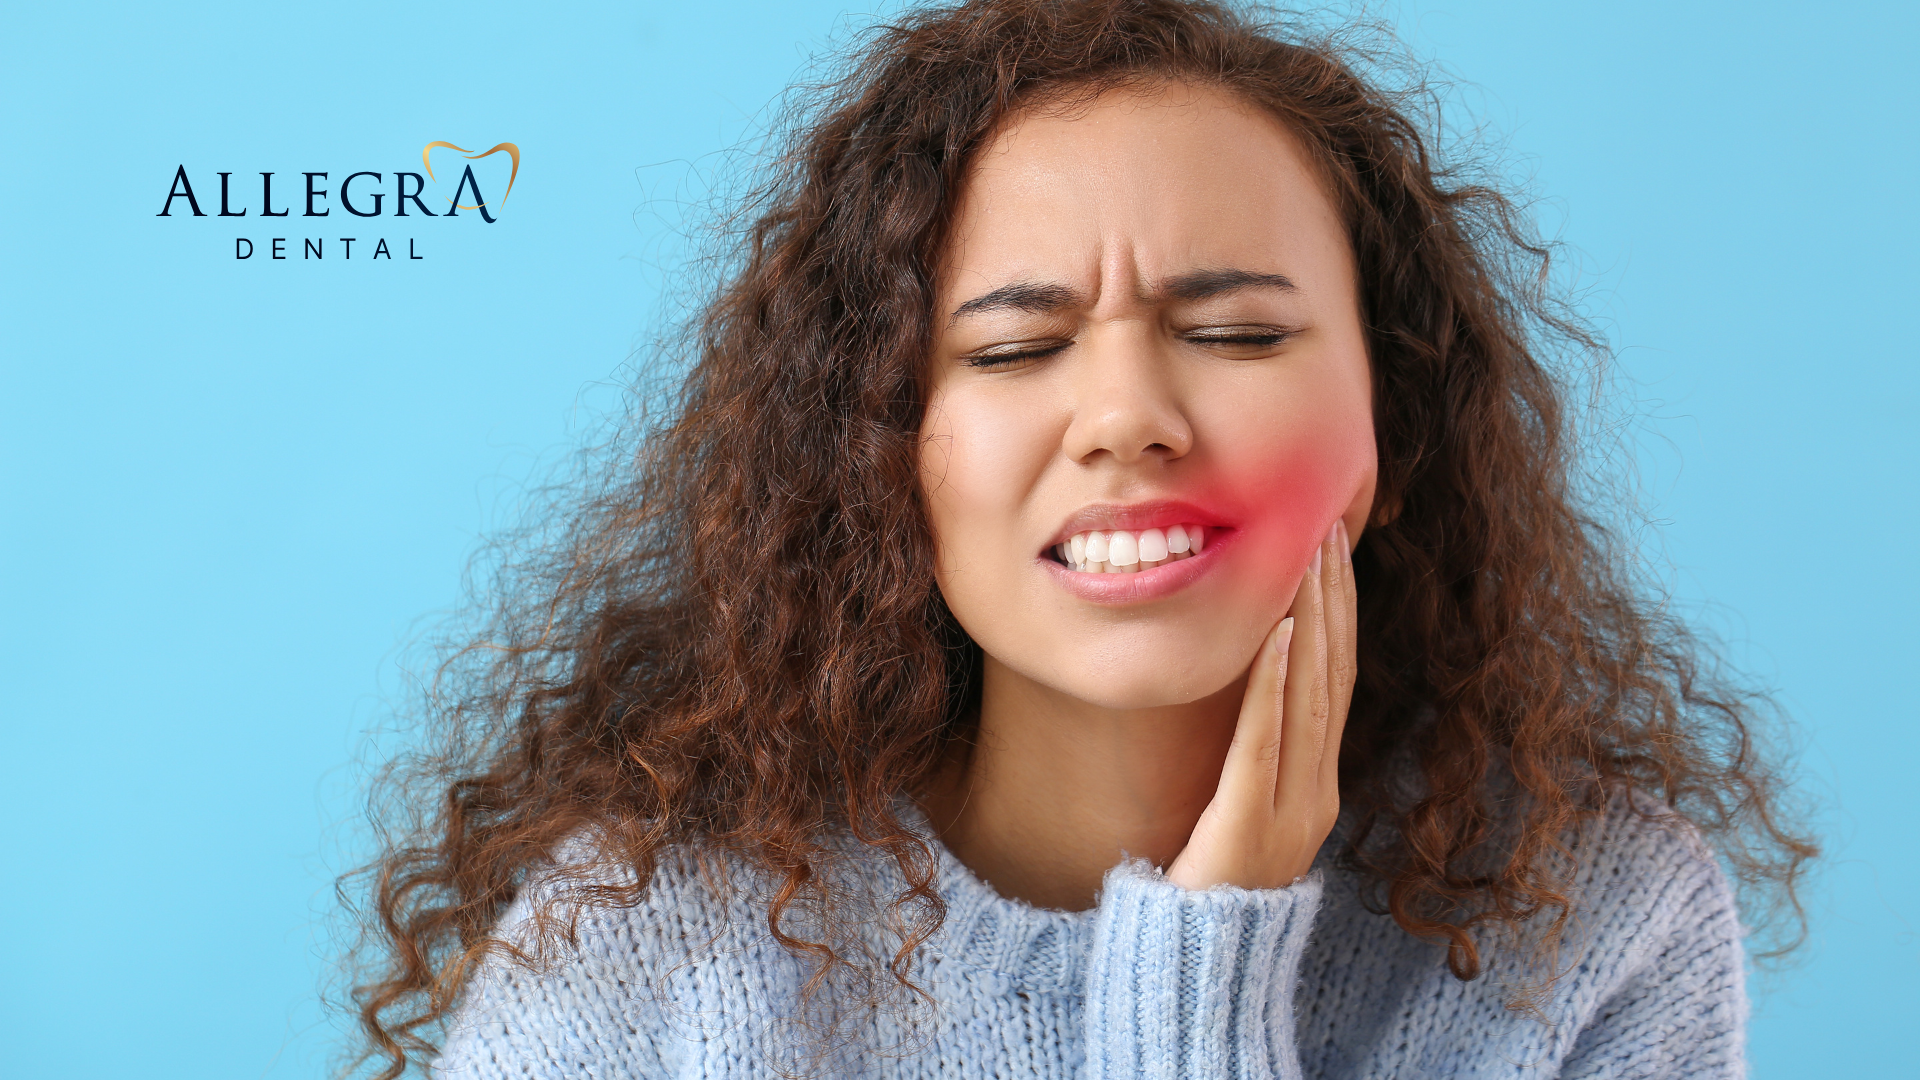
(1119, 551)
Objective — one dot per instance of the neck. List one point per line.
(1056, 790)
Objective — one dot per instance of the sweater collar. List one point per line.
(1040, 949)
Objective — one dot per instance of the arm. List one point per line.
(1679, 1007)
(1194, 983)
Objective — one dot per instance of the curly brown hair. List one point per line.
(735, 642)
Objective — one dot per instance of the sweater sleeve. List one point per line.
(1676, 1006)
(1194, 983)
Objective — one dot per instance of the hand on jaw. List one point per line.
(1280, 787)
(1054, 792)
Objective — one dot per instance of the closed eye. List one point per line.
(1240, 340)
(1014, 352)
(1232, 341)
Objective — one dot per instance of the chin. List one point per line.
(1129, 686)
(1130, 699)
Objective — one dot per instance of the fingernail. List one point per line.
(1314, 566)
(1345, 541)
(1283, 636)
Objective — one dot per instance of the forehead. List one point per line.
(1165, 179)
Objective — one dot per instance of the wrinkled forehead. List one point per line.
(1143, 182)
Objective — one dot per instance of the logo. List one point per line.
(362, 194)
(466, 178)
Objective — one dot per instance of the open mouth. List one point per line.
(1126, 551)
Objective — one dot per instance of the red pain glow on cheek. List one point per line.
(1288, 500)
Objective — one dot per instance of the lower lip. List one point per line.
(1154, 584)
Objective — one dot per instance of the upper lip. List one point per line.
(1133, 517)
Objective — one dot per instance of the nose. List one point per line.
(1126, 403)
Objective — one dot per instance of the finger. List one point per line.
(1337, 581)
(1342, 646)
(1347, 544)
(1304, 724)
(1248, 776)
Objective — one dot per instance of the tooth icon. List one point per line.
(510, 149)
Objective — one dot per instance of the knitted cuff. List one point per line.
(1185, 983)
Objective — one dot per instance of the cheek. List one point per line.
(1291, 481)
(977, 465)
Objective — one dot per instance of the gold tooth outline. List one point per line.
(512, 152)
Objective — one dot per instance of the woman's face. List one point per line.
(1147, 322)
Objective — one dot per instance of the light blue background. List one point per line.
(231, 491)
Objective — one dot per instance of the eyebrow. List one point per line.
(1034, 297)
(1044, 298)
(1201, 284)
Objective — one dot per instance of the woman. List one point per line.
(1110, 601)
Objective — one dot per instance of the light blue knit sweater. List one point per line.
(1156, 981)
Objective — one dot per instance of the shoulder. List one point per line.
(1634, 874)
(1659, 984)
(579, 966)
(586, 903)
(1644, 874)
(1646, 980)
